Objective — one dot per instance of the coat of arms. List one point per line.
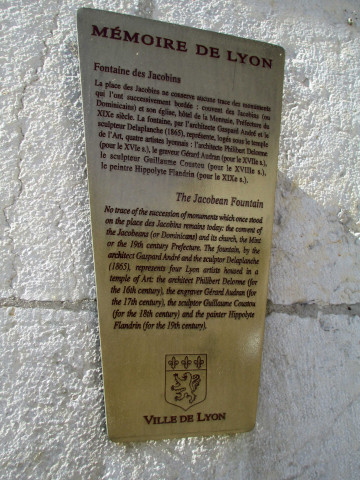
(185, 379)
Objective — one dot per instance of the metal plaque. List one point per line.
(182, 130)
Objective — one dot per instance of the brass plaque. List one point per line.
(182, 130)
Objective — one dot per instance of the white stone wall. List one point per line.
(51, 403)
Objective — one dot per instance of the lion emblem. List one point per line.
(185, 386)
(185, 379)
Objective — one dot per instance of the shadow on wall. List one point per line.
(314, 255)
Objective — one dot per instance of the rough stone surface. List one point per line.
(51, 406)
(315, 257)
(46, 243)
(53, 422)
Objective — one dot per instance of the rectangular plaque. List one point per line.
(182, 130)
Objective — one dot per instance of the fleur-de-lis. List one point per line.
(186, 362)
(173, 362)
(199, 362)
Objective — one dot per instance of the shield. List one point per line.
(185, 379)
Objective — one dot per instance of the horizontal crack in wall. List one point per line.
(297, 309)
(313, 309)
(80, 305)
